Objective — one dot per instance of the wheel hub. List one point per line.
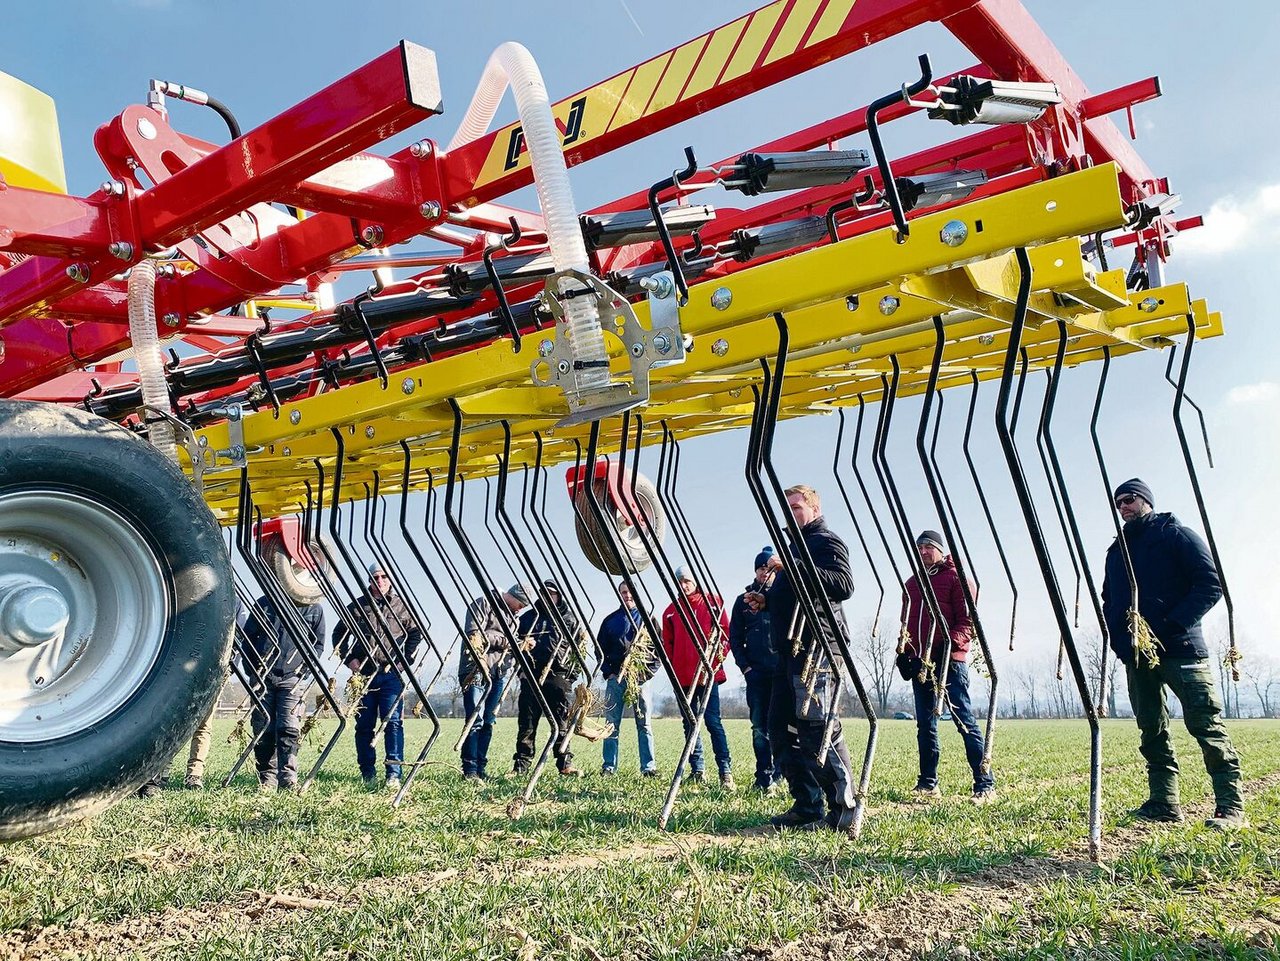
(31, 615)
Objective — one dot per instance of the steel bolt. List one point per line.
(855, 348)
(408, 385)
(79, 273)
(661, 343)
(203, 441)
(545, 347)
(146, 128)
(1148, 305)
(660, 286)
(720, 347)
(236, 452)
(986, 340)
(430, 210)
(120, 249)
(286, 451)
(954, 233)
(295, 417)
(171, 319)
(563, 367)
(368, 432)
(637, 350)
(113, 188)
(889, 304)
(372, 235)
(420, 149)
(721, 298)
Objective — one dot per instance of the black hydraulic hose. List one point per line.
(1027, 504)
(951, 532)
(223, 111)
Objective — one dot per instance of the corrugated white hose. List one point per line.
(146, 351)
(512, 65)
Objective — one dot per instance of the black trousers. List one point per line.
(276, 751)
(558, 690)
(797, 721)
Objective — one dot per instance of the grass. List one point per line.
(586, 873)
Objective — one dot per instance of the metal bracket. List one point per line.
(658, 346)
(201, 457)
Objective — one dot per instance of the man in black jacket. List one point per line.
(1177, 584)
(800, 704)
(556, 656)
(383, 624)
(751, 640)
(280, 672)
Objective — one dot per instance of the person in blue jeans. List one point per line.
(385, 626)
(483, 688)
(617, 642)
(700, 624)
(925, 639)
(751, 640)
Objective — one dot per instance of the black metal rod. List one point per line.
(888, 182)
(857, 526)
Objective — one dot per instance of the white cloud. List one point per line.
(1267, 392)
(1234, 223)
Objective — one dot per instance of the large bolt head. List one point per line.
(1148, 305)
(889, 304)
(721, 298)
(408, 386)
(430, 210)
(954, 233)
(295, 417)
(720, 347)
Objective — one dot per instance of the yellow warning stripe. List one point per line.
(713, 58)
(753, 40)
(831, 20)
(793, 30)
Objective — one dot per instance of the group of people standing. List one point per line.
(1159, 583)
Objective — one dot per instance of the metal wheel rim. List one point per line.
(117, 603)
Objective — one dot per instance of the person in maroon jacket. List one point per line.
(712, 623)
(918, 625)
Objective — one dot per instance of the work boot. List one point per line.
(288, 787)
(371, 783)
(925, 792)
(393, 783)
(984, 795)
(727, 782)
(793, 820)
(649, 772)
(148, 790)
(608, 771)
(840, 820)
(570, 771)
(1227, 819)
(473, 777)
(696, 777)
(1160, 812)
(193, 783)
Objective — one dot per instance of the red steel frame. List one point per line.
(313, 156)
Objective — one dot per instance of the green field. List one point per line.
(338, 873)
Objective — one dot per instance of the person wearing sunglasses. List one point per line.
(1177, 584)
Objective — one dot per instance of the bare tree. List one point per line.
(1264, 678)
(1218, 648)
(1095, 662)
(1028, 683)
(874, 654)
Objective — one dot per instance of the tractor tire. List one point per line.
(295, 580)
(116, 613)
(593, 539)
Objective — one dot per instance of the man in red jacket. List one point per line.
(918, 623)
(683, 648)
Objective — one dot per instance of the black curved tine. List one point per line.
(1017, 400)
(866, 495)
(445, 602)
(952, 533)
(1204, 429)
(540, 484)
(697, 556)
(488, 588)
(810, 590)
(898, 511)
(376, 539)
(986, 509)
(1125, 556)
(271, 588)
(504, 309)
(877, 147)
(962, 541)
(1180, 394)
(1027, 504)
(429, 527)
(1059, 480)
(253, 688)
(398, 581)
(808, 582)
(866, 550)
(486, 515)
(1046, 407)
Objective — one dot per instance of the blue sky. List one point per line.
(1210, 133)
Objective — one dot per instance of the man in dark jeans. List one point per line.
(1177, 584)
(556, 656)
(751, 641)
(283, 681)
(921, 632)
(384, 623)
(802, 700)
(482, 688)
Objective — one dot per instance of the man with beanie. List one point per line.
(924, 648)
(1177, 584)
(383, 624)
(800, 704)
(627, 667)
(488, 621)
(700, 625)
(751, 641)
(549, 631)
